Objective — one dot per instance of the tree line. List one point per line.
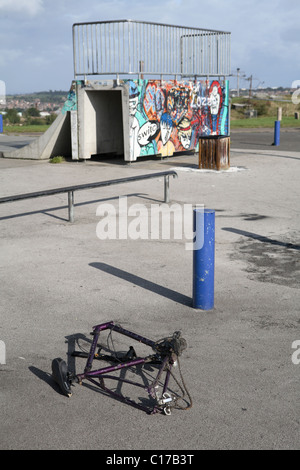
(30, 116)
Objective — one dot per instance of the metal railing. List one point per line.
(71, 189)
(129, 47)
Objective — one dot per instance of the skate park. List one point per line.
(59, 280)
(131, 98)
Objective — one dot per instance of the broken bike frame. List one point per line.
(166, 354)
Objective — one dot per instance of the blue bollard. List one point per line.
(1, 124)
(204, 259)
(277, 133)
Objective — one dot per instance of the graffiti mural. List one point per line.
(71, 102)
(171, 116)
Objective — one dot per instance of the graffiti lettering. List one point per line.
(177, 103)
(149, 100)
(154, 101)
(203, 101)
(146, 132)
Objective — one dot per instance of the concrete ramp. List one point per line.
(55, 141)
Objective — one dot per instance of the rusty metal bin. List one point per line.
(214, 152)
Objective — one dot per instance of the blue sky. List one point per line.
(36, 36)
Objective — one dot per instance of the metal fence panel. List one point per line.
(142, 48)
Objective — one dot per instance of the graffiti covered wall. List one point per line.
(170, 116)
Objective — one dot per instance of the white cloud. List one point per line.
(29, 7)
(9, 56)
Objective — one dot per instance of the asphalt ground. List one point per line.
(263, 139)
(58, 280)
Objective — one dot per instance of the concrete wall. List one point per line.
(55, 141)
(100, 120)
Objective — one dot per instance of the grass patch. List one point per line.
(32, 129)
(266, 113)
(57, 159)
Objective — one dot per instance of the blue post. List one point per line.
(1, 124)
(277, 133)
(204, 259)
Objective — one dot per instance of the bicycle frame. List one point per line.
(165, 354)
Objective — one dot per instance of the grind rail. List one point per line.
(71, 189)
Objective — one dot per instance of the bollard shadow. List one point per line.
(144, 283)
(262, 238)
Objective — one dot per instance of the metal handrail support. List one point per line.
(71, 189)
